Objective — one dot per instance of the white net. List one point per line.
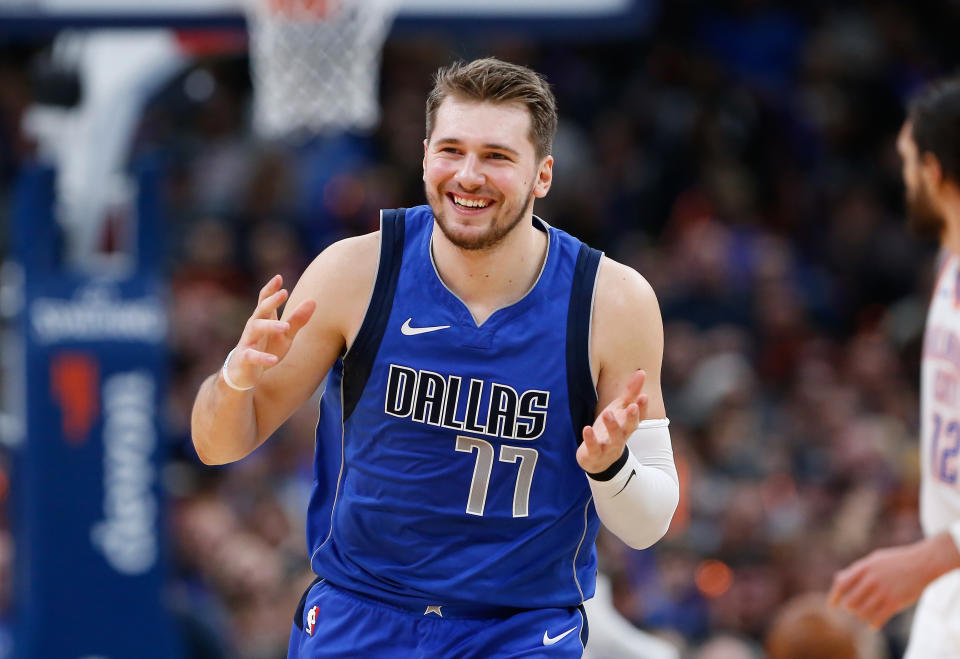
(316, 64)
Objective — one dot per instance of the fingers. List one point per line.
(860, 598)
(631, 391)
(611, 436)
(843, 583)
(300, 316)
(270, 298)
(590, 454)
(254, 357)
(270, 288)
(259, 328)
(245, 364)
(267, 307)
(618, 431)
(590, 439)
(854, 591)
(868, 603)
(635, 412)
(609, 420)
(264, 320)
(643, 400)
(266, 338)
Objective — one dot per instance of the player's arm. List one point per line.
(889, 580)
(279, 362)
(627, 453)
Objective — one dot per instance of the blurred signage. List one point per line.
(87, 499)
(126, 534)
(96, 312)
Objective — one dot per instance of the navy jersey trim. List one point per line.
(580, 387)
(358, 362)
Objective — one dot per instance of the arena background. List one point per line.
(739, 154)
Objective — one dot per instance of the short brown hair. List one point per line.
(935, 117)
(496, 81)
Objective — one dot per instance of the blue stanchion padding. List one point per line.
(89, 522)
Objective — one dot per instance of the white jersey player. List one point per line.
(935, 629)
(889, 580)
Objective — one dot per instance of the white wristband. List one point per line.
(226, 376)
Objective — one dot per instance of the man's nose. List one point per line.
(469, 176)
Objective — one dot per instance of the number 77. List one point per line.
(484, 465)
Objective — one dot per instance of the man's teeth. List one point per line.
(470, 203)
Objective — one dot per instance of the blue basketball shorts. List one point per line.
(334, 622)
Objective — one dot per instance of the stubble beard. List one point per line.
(493, 236)
(923, 219)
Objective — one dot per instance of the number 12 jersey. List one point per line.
(940, 404)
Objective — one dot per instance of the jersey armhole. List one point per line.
(581, 391)
(358, 361)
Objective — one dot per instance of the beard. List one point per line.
(922, 216)
(498, 230)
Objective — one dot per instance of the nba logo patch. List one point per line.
(311, 620)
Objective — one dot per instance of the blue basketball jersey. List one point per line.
(446, 468)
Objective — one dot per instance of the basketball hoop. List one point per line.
(315, 64)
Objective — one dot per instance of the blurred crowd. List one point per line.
(741, 156)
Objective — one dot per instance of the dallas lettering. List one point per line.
(434, 399)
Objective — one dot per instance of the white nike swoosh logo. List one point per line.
(411, 331)
(550, 641)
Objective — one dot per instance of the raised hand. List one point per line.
(266, 339)
(603, 442)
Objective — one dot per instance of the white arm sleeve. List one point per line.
(637, 496)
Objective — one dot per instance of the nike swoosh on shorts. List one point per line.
(550, 641)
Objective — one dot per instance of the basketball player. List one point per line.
(889, 580)
(492, 395)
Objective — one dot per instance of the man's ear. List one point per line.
(544, 178)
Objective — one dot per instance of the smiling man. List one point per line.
(492, 395)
